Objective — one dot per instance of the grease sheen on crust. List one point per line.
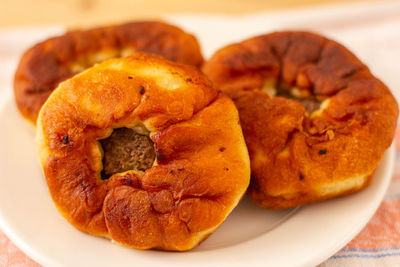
(299, 158)
(52, 61)
(201, 170)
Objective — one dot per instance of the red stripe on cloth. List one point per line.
(396, 177)
(10, 255)
(383, 230)
(397, 138)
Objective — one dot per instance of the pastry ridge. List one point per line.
(298, 156)
(201, 170)
(52, 61)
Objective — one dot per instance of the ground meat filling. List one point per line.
(126, 150)
(309, 103)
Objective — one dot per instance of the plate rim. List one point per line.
(45, 260)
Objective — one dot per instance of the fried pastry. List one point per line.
(315, 120)
(50, 62)
(143, 151)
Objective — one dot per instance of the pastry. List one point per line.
(315, 120)
(143, 151)
(50, 62)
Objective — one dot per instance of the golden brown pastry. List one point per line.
(315, 120)
(143, 151)
(50, 62)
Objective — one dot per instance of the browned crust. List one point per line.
(292, 154)
(202, 165)
(48, 63)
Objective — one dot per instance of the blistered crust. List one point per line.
(299, 158)
(202, 167)
(50, 62)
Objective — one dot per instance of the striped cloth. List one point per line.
(378, 244)
(372, 30)
(11, 256)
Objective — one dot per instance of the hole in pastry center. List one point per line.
(310, 102)
(89, 59)
(127, 149)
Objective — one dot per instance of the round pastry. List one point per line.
(50, 62)
(315, 120)
(143, 151)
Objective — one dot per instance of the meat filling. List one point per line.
(126, 150)
(310, 104)
(304, 97)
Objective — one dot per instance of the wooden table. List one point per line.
(95, 12)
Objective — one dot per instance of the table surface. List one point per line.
(95, 12)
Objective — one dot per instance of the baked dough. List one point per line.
(315, 120)
(50, 62)
(201, 168)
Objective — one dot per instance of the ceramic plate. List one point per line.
(250, 235)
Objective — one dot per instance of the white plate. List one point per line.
(250, 236)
